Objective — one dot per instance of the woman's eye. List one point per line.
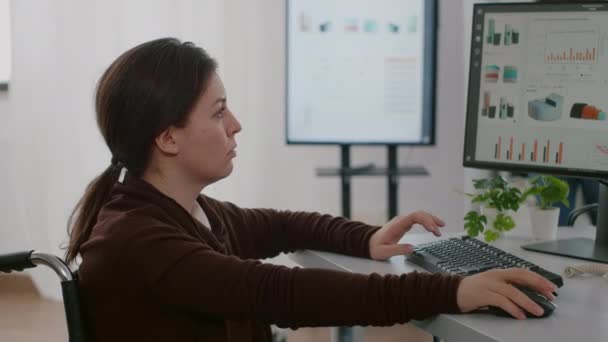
(220, 114)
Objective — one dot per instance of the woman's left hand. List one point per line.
(385, 242)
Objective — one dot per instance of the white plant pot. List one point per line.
(544, 223)
(521, 218)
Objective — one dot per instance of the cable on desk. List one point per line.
(596, 269)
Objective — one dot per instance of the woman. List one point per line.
(160, 262)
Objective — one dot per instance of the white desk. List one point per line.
(581, 316)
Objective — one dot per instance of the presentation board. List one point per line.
(360, 71)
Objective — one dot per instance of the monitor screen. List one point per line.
(360, 71)
(538, 89)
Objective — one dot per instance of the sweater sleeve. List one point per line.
(263, 233)
(182, 273)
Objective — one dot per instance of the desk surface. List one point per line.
(581, 316)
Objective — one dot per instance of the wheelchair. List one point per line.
(74, 314)
(69, 285)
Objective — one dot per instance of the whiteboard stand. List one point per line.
(346, 172)
(392, 172)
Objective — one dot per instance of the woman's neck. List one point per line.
(180, 189)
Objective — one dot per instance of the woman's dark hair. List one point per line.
(146, 90)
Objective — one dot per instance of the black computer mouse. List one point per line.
(536, 297)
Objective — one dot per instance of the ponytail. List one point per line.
(84, 216)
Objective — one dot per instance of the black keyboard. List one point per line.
(466, 256)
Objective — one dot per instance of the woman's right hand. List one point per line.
(495, 288)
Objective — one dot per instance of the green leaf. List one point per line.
(504, 223)
(499, 194)
(474, 223)
(533, 191)
(491, 235)
(479, 199)
(550, 190)
(480, 183)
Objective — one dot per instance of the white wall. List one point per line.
(5, 42)
(52, 147)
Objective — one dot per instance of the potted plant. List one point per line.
(498, 199)
(544, 217)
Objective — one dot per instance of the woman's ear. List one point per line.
(166, 141)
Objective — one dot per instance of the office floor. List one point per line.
(26, 317)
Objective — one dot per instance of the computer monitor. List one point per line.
(360, 72)
(538, 98)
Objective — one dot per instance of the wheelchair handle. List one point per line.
(30, 259)
(16, 261)
(77, 331)
(53, 262)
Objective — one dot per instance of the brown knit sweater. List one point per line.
(150, 272)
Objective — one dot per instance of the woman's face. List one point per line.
(207, 143)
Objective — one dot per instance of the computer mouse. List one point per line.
(536, 297)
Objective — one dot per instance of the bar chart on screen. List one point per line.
(572, 46)
(544, 151)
